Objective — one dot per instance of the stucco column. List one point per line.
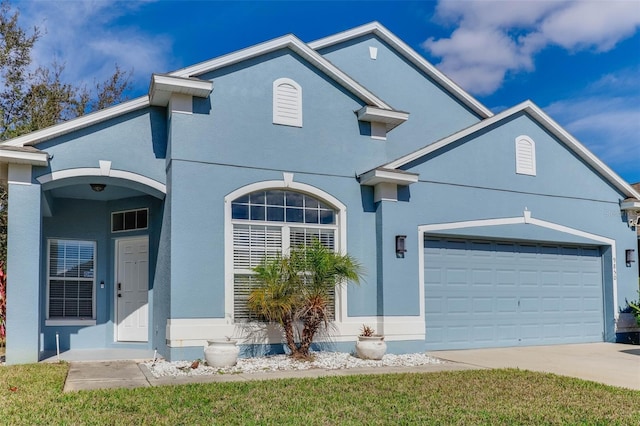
(397, 273)
(23, 266)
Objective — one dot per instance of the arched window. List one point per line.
(271, 221)
(525, 156)
(287, 102)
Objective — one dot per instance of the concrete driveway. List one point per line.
(608, 363)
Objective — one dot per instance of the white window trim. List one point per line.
(71, 321)
(525, 169)
(277, 119)
(341, 239)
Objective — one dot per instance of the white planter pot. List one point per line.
(221, 353)
(371, 347)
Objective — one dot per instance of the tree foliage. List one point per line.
(298, 288)
(33, 97)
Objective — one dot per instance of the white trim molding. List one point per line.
(288, 184)
(390, 119)
(543, 119)
(632, 209)
(98, 171)
(162, 87)
(23, 155)
(385, 182)
(408, 53)
(47, 133)
(194, 332)
(524, 219)
(297, 46)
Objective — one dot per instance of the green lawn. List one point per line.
(32, 394)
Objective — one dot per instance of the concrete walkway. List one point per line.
(130, 374)
(608, 363)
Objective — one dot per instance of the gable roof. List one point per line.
(411, 55)
(78, 123)
(545, 121)
(296, 45)
(285, 42)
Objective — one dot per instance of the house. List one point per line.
(137, 226)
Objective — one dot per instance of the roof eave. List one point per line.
(297, 46)
(163, 86)
(391, 118)
(22, 157)
(81, 122)
(541, 117)
(411, 55)
(382, 175)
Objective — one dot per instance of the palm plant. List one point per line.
(276, 295)
(299, 287)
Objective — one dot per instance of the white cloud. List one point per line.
(608, 126)
(494, 38)
(86, 38)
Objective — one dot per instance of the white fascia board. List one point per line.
(81, 122)
(411, 55)
(376, 176)
(163, 86)
(579, 149)
(389, 117)
(17, 157)
(299, 47)
(632, 205)
(537, 114)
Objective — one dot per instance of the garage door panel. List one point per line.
(490, 294)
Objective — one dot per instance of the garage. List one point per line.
(481, 293)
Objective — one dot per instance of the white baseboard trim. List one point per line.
(187, 332)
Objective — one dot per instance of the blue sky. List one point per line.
(579, 60)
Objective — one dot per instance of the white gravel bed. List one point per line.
(322, 360)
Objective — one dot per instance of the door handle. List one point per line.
(119, 289)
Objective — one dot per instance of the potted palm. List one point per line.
(370, 345)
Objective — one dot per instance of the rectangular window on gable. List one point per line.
(71, 280)
(129, 220)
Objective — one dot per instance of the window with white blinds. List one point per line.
(271, 222)
(71, 279)
(525, 156)
(287, 102)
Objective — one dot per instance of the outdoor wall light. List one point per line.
(400, 245)
(97, 187)
(629, 256)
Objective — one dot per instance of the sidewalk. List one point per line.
(130, 374)
(608, 363)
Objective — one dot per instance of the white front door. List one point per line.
(132, 289)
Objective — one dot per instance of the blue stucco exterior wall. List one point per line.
(23, 244)
(135, 142)
(229, 141)
(434, 112)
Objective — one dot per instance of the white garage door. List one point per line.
(489, 294)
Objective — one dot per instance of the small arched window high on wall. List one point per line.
(525, 156)
(287, 102)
